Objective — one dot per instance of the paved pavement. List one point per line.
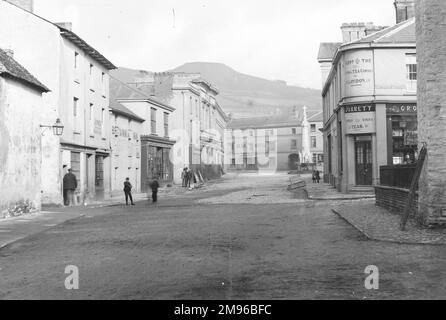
(183, 248)
(324, 191)
(379, 224)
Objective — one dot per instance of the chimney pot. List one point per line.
(65, 25)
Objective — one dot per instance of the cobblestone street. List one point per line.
(244, 237)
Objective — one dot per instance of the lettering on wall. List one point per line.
(360, 119)
(98, 127)
(358, 73)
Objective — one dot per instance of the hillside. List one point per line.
(247, 96)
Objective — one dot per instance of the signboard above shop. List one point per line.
(401, 108)
(360, 119)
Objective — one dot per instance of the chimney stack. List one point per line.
(405, 9)
(27, 5)
(9, 53)
(65, 25)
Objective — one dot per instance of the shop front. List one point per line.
(156, 163)
(402, 135)
(360, 129)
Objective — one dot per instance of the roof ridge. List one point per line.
(399, 27)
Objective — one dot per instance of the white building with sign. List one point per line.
(369, 106)
(77, 76)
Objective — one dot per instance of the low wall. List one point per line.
(394, 199)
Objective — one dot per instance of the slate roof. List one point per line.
(317, 116)
(118, 108)
(279, 121)
(403, 32)
(13, 69)
(123, 91)
(327, 50)
(89, 50)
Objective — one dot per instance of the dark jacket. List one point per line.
(127, 186)
(154, 186)
(69, 182)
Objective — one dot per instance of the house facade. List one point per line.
(271, 143)
(153, 135)
(369, 107)
(77, 76)
(20, 143)
(126, 135)
(197, 123)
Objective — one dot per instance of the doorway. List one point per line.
(363, 160)
(99, 180)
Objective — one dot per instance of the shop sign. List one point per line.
(360, 119)
(401, 108)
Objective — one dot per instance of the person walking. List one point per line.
(69, 186)
(155, 186)
(184, 177)
(318, 176)
(128, 192)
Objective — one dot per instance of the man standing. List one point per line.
(184, 177)
(155, 186)
(69, 186)
(128, 192)
(190, 176)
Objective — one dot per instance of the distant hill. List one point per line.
(247, 96)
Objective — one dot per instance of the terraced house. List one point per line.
(20, 148)
(77, 76)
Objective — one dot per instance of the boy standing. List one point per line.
(155, 186)
(128, 192)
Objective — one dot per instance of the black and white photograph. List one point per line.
(223, 156)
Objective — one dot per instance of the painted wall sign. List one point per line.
(401, 108)
(360, 119)
(98, 127)
(358, 73)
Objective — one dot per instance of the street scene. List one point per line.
(243, 242)
(150, 151)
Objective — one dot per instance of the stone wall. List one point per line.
(431, 48)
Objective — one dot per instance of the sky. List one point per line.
(272, 39)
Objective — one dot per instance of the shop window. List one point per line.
(404, 139)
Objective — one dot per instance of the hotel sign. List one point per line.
(360, 119)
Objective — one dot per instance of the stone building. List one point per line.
(77, 75)
(369, 105)
(274, 143)
(431, 44)
(20, 138)
(147, 145)
(197, 124)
